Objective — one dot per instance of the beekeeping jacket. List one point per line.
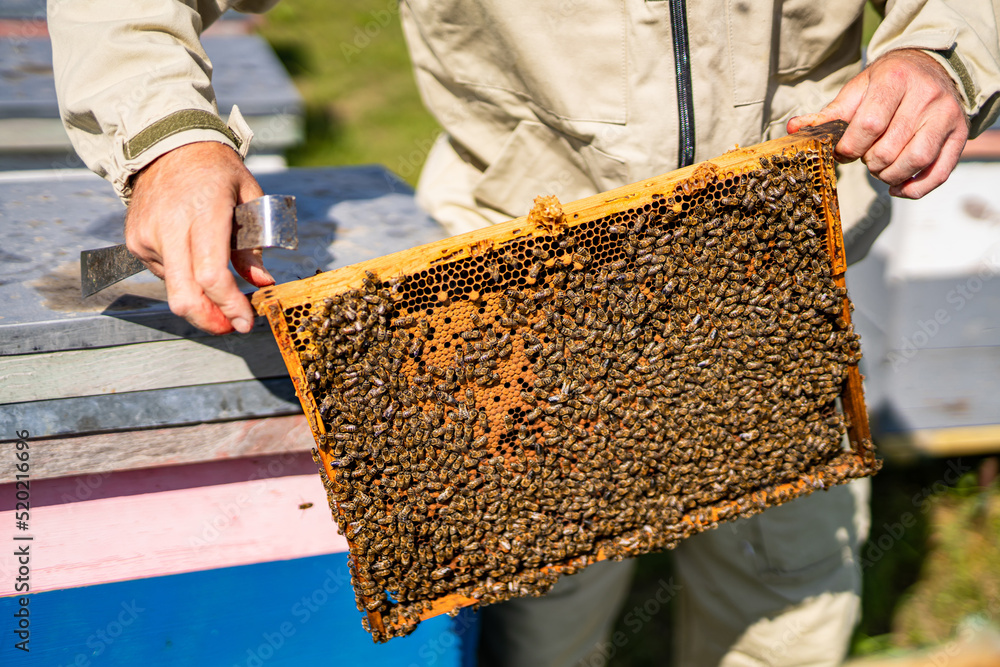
(569, 97)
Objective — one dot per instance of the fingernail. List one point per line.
(263, 275)
(241, 324)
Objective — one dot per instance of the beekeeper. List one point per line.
(570, 98)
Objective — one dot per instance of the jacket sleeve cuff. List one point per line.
(177, 129)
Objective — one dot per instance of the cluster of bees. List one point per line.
(497, 420)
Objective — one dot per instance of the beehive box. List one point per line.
(595, 380)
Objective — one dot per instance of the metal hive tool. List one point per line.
(595, 380)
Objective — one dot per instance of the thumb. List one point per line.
(250, 265)
(843, 106)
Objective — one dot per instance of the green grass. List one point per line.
(940, 568)
(871, 21)
(349, 62)
(961, 574)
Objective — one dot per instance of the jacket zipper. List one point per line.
(682, 72)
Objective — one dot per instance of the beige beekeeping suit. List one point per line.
(573, 97)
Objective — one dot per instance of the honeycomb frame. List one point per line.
(465, 285)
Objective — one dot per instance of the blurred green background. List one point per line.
(942, 569)
(350, 64)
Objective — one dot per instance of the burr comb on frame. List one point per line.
(596, 380)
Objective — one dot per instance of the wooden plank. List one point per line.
(933, 388)
(952, 234)
(852, 393)
(139, 367)
(122, 526)
(942, 442)
(247, 73)
(35, 135)
(831, 205)
(157, 408)
(278, 614)
(99, 454)
(959, 311)
(89, 332)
